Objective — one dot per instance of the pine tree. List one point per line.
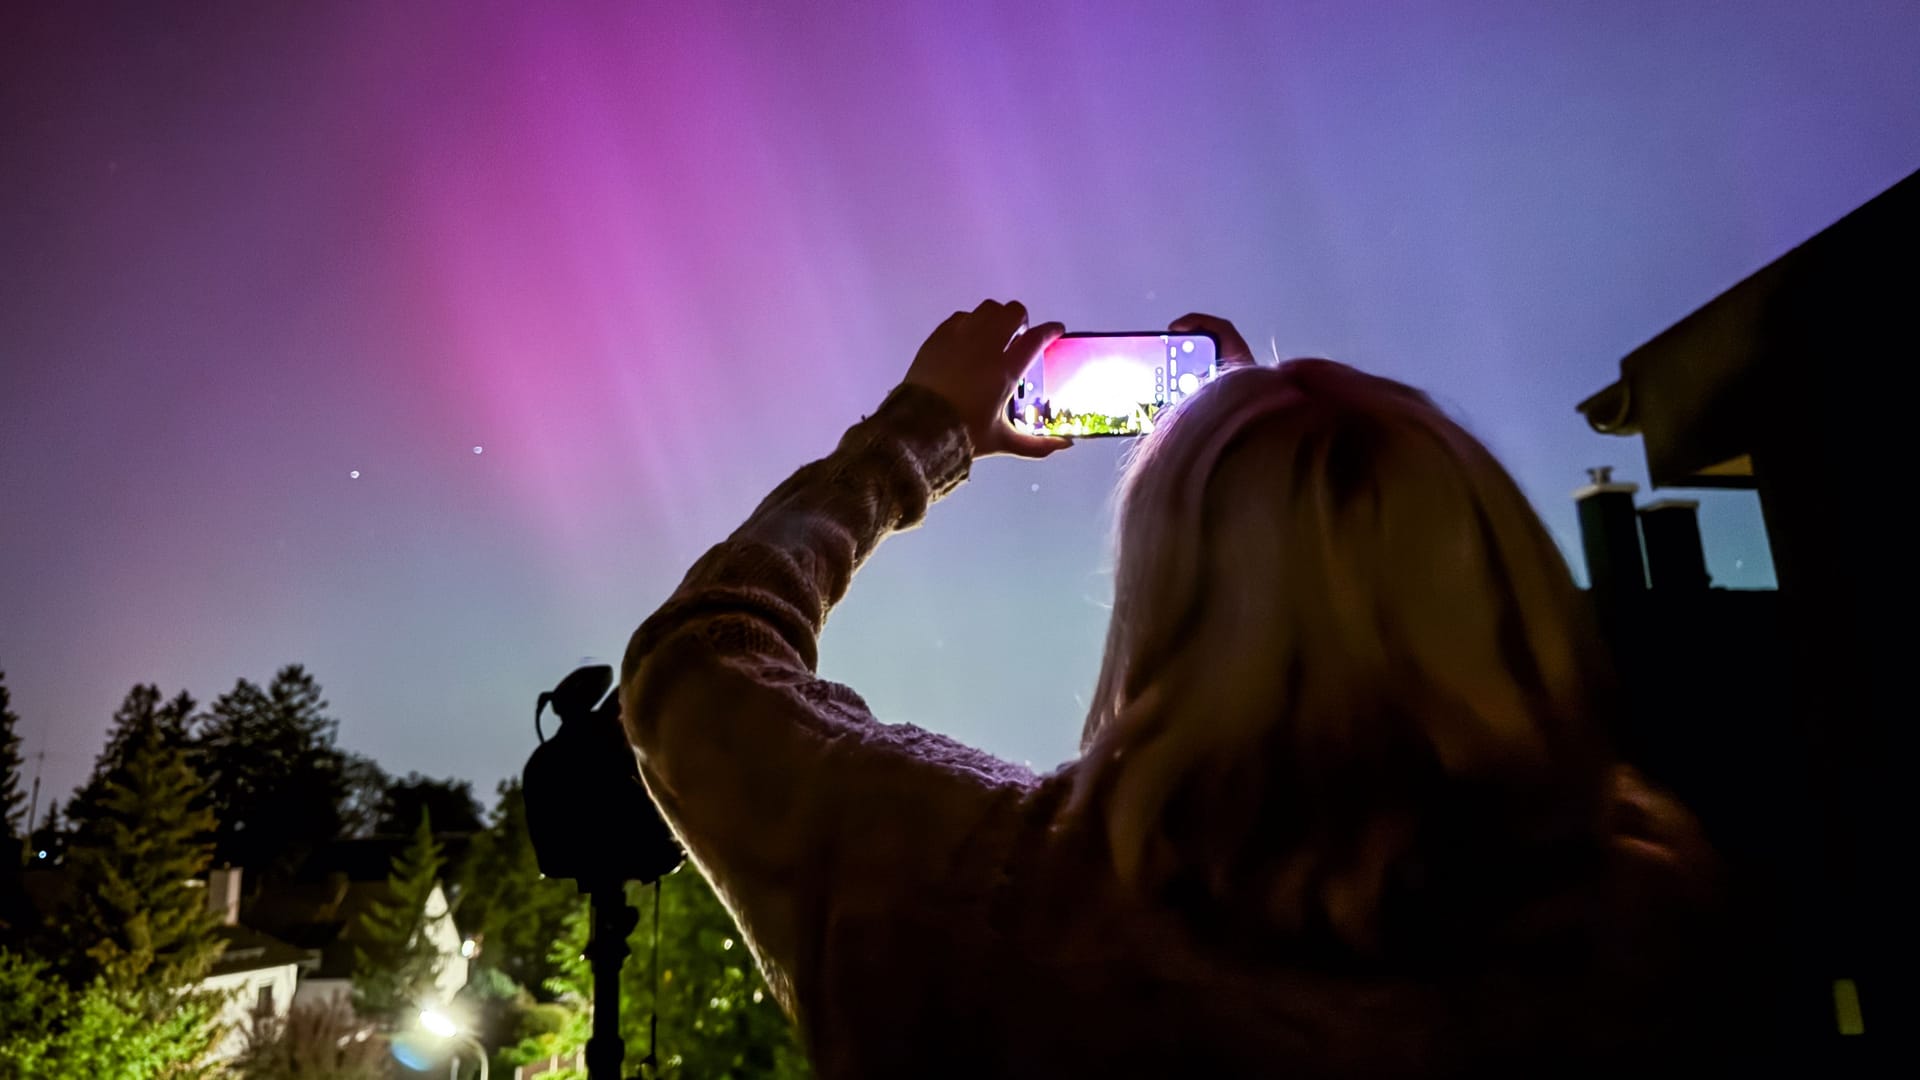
(49, 836)
(394, 962)
(13, 825)
(141, 835)
(278, 780)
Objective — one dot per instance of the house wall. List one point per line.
(316, 992)
(446, 941)
(243, 990)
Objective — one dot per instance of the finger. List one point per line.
(1012, 317)
(1028, 346)
(1021, 444)
(1234, 351)
(948, 327)
(1199, 321)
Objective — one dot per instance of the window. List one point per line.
(263, 1003)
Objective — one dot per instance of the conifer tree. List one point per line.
(394, 961)
(13, 810)
(278, 779)
(141, 834)
(49, 836)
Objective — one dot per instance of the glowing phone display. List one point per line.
(1110, 384)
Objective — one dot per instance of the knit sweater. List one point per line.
(921, 908)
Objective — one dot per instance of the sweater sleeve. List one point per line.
(803, 812)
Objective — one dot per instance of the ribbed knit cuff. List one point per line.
(928, 428)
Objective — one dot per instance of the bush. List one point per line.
(322, 1041)
(49, 1029)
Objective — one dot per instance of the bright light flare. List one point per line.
(438, 1023)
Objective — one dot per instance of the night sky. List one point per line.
(571, 285)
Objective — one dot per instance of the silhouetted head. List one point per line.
(1344, 650)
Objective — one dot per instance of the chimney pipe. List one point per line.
(1610, 533)
(1675, 558)
(223, 894)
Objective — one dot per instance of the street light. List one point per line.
(440, 1025)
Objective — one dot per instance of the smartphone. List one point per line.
(1101, 384)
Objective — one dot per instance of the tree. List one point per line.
(366, 792)
(394, 962)
(717, 1018)
(278, 779)
(141, 834)
(13, 826)
(449, 801)
(50, 836)
(48, 1028)
(515, 913)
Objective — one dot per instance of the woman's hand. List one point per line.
(973, 360)
(1233, 348)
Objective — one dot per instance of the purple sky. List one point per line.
(652, 262)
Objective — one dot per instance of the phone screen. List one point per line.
(1110, 384)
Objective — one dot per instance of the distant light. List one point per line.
(757, 996)
(1033, 487)
(478, 449)
(726, 943)
(468, 948)
(1189, 382)
(354, 475)
(1186, 346)
(42, 854)
(438, 1023)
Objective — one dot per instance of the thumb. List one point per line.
(1021, 444)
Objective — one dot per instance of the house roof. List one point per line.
(1703, 392)
(248, 949)
(320, 907)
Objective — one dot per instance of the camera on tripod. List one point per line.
(591, 820)
(590, 816)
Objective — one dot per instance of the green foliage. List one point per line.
(515, 913)
(13, 811)
(278, 780)
(322, 1041)
(48, 1029)
(141, 835)
(502, 1014)
(394, 962)
(717, 1019)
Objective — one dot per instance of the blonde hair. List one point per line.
(1343, 649)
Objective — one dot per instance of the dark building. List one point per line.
(1775, 713)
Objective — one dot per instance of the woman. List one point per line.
(1345, 805)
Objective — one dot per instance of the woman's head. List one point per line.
(1341, 642)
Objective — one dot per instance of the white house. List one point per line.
(258, 973)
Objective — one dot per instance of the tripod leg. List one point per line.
(613, 920)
